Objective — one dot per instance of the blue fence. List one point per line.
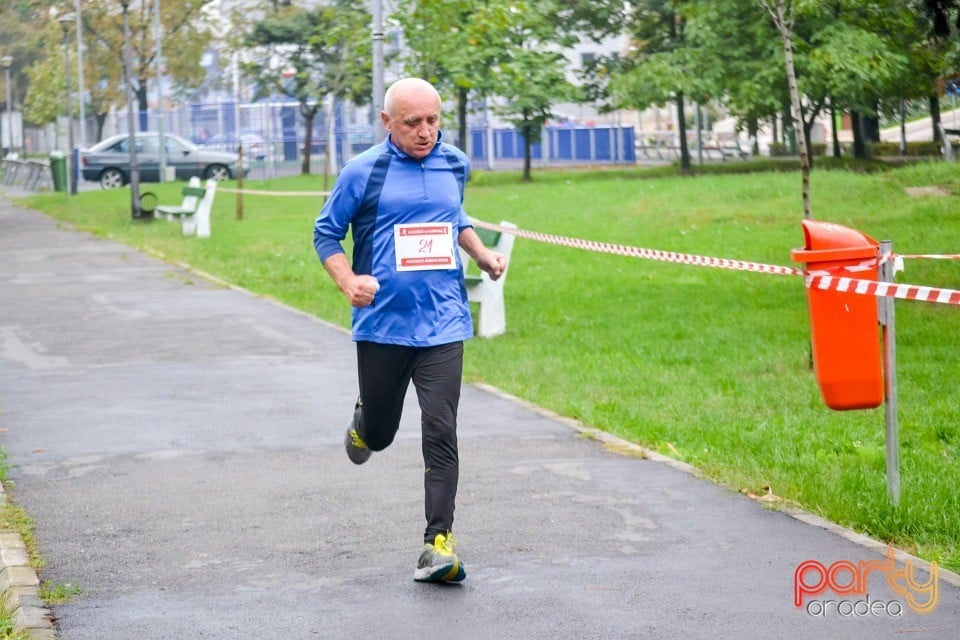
(281, 126)
(273, 136)
(558, 145)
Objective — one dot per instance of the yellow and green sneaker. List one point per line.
(438, 562)
(357, 449)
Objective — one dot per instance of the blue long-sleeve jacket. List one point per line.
(378, 189)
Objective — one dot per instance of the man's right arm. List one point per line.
(330, 228)
(360, 290)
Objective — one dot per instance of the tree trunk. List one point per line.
(101, 120)
(784, 27)
(833, 131)
(935, 118)
(526, 152)
(871, 128)
(462, 97)
(142, 104)
(682, 132)
(307, 144)
(859, 139)
(308, 113)
(789, 132)
(807, 127)
(903, 128)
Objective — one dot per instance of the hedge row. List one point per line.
(876, 149)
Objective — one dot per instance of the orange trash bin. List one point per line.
(844, 327)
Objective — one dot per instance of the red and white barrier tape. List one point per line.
(931, 256)
(883, 289)
(257, 192)
(818, 280)
(637, 252)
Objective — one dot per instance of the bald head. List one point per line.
(411, 115)
(406, 89)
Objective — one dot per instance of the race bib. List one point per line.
(423, 246)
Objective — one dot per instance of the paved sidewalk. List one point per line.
(179, 443)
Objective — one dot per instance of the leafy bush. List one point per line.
(915, 149)
(779, 150)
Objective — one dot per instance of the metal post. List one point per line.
(887, 321)
(131, 121)
(379, 133)
(7, 62)
(332, 163)
(239, 208)
(236, 97)
(157, 35)
(903, 127)
(343, 119)
(488, 132)
(83, 133)
(699, 136)
(72, 165)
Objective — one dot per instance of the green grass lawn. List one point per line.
(706, 365)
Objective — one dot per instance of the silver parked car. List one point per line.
(108, 161)
(254, 145)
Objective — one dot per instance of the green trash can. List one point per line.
(58, 167)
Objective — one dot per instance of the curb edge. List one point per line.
(20, 585)
(620, 446)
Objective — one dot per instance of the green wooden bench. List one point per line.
(192, 193)
(194, 211)
(491, 321)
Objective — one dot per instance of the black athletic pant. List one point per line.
(385, 372)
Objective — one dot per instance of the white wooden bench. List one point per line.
(731, 148)
(194, 211)
(491, 321)
(949, 137)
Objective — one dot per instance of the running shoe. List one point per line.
(357, 449)
(438, 562)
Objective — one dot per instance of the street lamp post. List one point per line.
(82, 116)
(379, 133)
(65, 24)
(158, 33)
(7, 62)
(135, 210)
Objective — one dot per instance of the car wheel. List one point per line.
(217, 172)
(111, 179)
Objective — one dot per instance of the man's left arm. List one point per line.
(490, 261)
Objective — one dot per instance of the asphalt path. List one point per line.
(179, 443)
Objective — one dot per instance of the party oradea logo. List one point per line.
(813, 581)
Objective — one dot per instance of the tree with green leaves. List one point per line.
(185, 32)
(517, 45)
(23, 37)
(782, 13)
(103, 82)
(328, 50)
(530, 73)
(942, 42)
(739, 60)
(862, 57)
(530, 70)
(44, 100)
(857, 57)
(660, 67)
(444, 46)
(44, 103)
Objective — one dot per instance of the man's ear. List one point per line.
(385, 119)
